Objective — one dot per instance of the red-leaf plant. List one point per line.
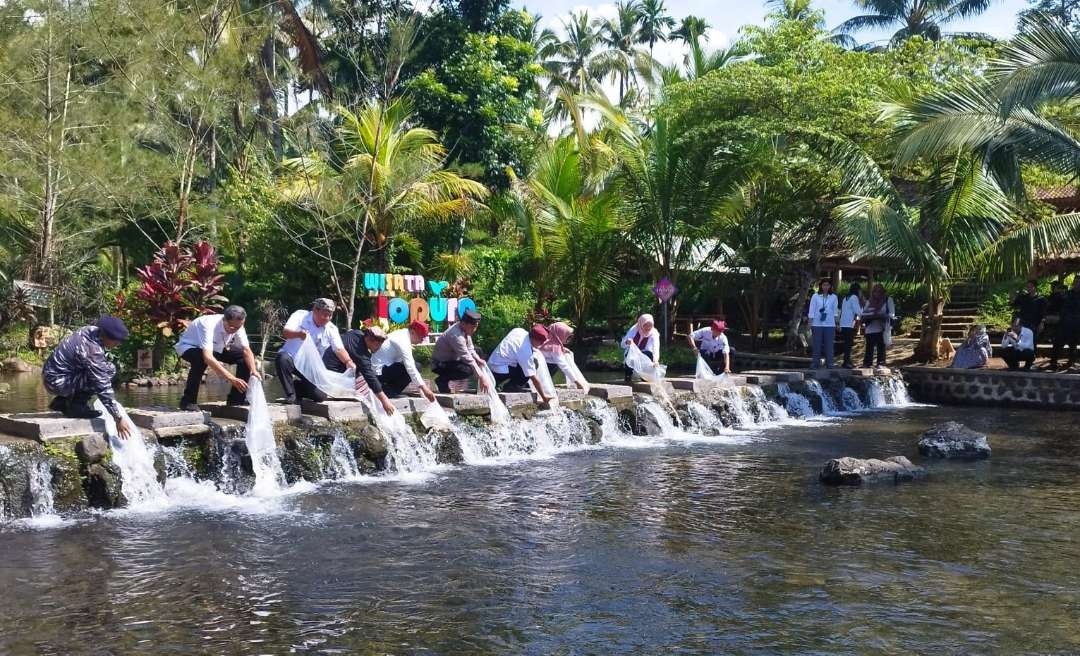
(181, 284)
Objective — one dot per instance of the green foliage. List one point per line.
(500, 314)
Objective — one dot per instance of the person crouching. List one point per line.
(512, 361)
(711, 344)
(395, 365)
(454, 356)
(216, 340)
(78, 370)
(359, 345)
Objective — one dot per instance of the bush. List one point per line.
(500, 315)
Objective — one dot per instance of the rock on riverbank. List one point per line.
(856, 471)
(953, 440)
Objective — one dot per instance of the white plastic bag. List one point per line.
(704, 378)
(434, 416)
(331, 383)
(643, 366)
(499, 414)
(544, 375)
(577, 378)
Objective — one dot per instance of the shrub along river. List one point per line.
(710, 545)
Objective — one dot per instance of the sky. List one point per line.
(726, 16)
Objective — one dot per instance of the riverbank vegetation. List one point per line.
(288, 147)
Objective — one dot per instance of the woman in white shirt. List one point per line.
(849, 320)
(822, 316)
(877, 316)
(557, 356)
(647, 338)
(713, 346)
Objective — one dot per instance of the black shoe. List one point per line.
(190, 407)
(80, 411)
(59, 404)
(236, 402)
(291, 400)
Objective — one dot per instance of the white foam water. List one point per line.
(259, 436)
(828, 405)
(342, 459)
(851, 400)
(135, 458)
(549, 433)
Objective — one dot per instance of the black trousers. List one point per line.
(514, 379)
(1067, 335)
(293, 383)
(1014, 356)
(394, 379)
(716, 363)
(448, 371)
(198, 367)
(874, 342)
(628, 372)
(847, 341)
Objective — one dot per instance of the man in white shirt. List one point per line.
(315, 325)
(849, 321)
(712, 344)
(1018, 344)
(822, 316)
(215, 340)
(395, 365)
(512, 361)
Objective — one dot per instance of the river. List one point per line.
(693, 548)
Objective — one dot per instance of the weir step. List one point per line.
(42, 426)
(279, 412)
(465, 404)
(611, 392)
(779, 376)
(338, 410)
(159, 416)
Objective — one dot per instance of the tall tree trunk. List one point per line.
(927, 348)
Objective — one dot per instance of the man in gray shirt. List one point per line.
(454, 356)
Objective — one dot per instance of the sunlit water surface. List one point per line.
(687, 548)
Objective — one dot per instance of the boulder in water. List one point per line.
(103, 486)
(92, 448)
(371, 444)
(596, 431)
(645, 423)
(15, 365)
(447, 447)
(856, 471)
(953, 440)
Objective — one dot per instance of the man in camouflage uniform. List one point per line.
(78, 369)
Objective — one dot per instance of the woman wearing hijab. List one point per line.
(644, 335)
(555, 351)
(974, 353)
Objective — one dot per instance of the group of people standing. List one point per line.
(875, 315)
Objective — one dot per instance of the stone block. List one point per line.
(279, 412)
(335, 410)
(178, 432)
(641, 387)
(512, 399)
(758, 379)
(571, 398)
(611, 392)
(155, 417)
(779, 376)
(465, 404)
(43, 426)
(405, 405)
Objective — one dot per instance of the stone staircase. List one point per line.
(960, 312)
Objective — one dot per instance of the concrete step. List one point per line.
(334, 410)
(465, 404)
(43, 426)
(611, 392)
(279, 412)
(155, 417)
(779, 376)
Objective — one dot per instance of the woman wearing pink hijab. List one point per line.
(647, 338)
(555, 351)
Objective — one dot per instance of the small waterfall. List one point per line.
(41, 492)
(259, 435)
(342, 460)
(740, 409)
(795, 404)
(406, 452)
(135, 458)
(828, 405)
(851, 400)
(663, 419)
(898, 393)
(702, 417)
(539, 437)
(176, 465)
(876, 394)
(890, 393)
(611, 429)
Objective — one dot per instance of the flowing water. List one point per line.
(259, 436)
(686, 547)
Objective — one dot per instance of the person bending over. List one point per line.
(556, 354)
(711, 344)
(512, 361)
(78, 370)
(359, 345)
(646, 337)
(304, 324)
(395, 365)
(454, 356)
(216, 340)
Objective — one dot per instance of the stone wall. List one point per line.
(993, 387)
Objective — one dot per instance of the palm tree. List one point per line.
(378, 177)
(655, 22)
(572, 63)
(924, 18)
(691, 25)
(620, 34)
(795, 10)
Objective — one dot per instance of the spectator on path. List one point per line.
(454, 356)
(1068, 326)
(1018, 345)
(822, 316)
(975, 352)
(877, 317)
(646, 337)
(850, 311)
(1030, 307)
(360, 345)
(712, 344)
(213, 341)
(78, 370)
(395, 364)
(304, 324)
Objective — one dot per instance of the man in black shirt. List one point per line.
(360, 344)
(1068, 326)
(1030, 308)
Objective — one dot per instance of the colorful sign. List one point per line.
(391, 291)
(664, 290)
